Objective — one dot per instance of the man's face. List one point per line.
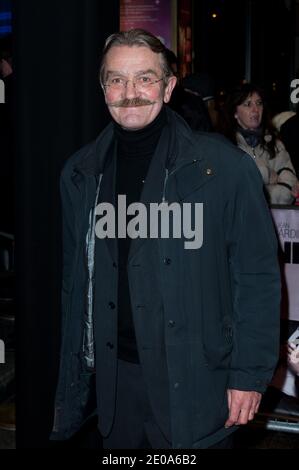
(134, 106)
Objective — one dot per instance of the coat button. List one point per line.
(167, 261)
(171, 323)
(209, 171)
(111, 305)
(176, 385)
(109, 345)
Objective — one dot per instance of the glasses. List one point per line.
(141, 83)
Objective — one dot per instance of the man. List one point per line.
(187, 104)
(203, 85)
(289, 132)
(171, 337)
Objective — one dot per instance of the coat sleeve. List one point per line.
(281, 191)
(255, 280)
(68, 246)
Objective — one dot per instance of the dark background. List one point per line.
(59, 107)
(221, 45)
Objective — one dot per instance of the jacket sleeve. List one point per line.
(255, 280)
(68, 243)
(281, 191)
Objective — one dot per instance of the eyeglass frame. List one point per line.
(124, 87)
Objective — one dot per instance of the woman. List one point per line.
(246, 124)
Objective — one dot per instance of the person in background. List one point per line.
(293, 363)
(281, 118)
(186, 103)
(289, 132)
(246, 123)
(6, 139)
(285, 381)
(293, 354)
(203, 85)
(6, 57)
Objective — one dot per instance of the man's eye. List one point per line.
(116, 81)
(144, 79)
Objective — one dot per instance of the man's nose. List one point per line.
(130, 90)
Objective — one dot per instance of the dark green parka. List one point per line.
(206, 320)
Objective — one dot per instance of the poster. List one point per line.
(152, 15)
(185, 37)
(286, 222)
(287, 226)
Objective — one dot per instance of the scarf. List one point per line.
(252, 137)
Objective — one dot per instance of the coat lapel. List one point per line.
(107, 194)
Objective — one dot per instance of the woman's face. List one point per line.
(249, 113)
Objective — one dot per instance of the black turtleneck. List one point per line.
(135, 150)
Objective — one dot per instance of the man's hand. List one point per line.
(242, 406)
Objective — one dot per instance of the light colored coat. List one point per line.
(278, 173)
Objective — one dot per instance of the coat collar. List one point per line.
(93, 162)
(176, 152)
(181, 147)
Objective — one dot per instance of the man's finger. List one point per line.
(243, 416)
(242, 407)
(233, 417)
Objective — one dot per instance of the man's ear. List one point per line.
(169, 88)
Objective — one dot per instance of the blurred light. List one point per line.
(5, 29)
(214, 15)
(5, 15)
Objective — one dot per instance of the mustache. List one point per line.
(131, 103)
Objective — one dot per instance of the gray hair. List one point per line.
(139, 38)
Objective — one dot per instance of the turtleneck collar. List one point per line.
(142, 142)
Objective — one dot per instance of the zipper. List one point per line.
(165, 182)
(88, 333)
